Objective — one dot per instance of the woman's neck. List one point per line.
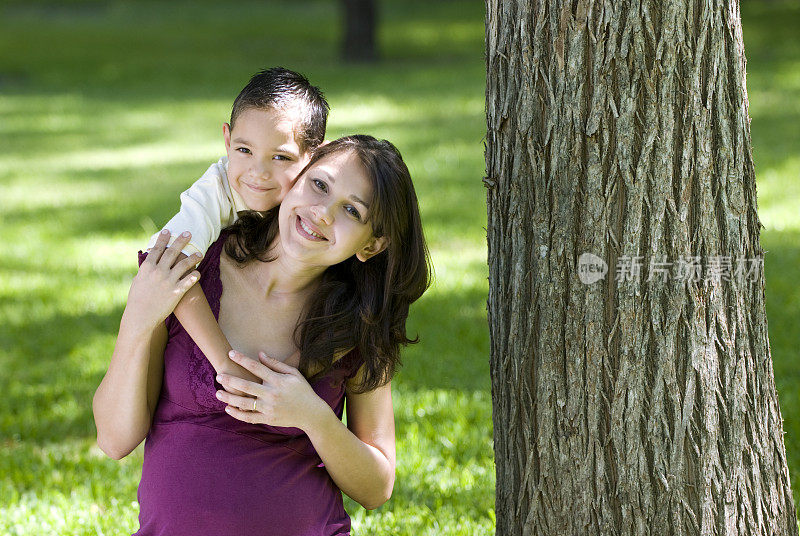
(284, 276)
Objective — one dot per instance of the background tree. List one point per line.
(359, 18)
(643, 402)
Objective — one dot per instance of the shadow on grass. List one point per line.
(48, 382)
(453, 352)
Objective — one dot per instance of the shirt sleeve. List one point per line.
(206, 209)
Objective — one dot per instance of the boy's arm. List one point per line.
(205, 210)
(196, 317)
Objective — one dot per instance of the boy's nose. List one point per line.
(261, 171)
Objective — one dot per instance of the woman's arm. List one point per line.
(360, 457)
(125, 401)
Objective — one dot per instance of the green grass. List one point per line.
(109, 109)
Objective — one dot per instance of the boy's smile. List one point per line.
(263, 156)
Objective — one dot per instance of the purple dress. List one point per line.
(205, 472)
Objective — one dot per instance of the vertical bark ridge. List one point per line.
(641, 405)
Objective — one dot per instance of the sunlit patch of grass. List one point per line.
(444, 458)
(779, 198)
(63, 488)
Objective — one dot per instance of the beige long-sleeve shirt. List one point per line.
(207, 207)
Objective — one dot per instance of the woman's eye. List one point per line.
(353, 212)
(243, 150)
(321, 186)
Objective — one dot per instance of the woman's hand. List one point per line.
(232, 370)
(283, 398)
(161, 282)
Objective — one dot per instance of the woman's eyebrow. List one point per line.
(357, 199)
(352, 197)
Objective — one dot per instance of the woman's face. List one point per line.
(323, 219)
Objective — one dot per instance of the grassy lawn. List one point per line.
(108, 110)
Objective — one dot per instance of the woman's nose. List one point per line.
(323, 213)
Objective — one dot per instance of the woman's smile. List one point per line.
(309, 230)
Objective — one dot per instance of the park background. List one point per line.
(108, 110)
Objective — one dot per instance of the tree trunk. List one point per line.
(359, 18)
(642, 400)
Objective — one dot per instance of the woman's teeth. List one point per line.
(307, 229)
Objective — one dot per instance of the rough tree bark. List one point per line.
(360, 20)
(631, 405)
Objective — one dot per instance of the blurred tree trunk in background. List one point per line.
(643, 402)
(360, 21)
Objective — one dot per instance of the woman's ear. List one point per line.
(372, 248)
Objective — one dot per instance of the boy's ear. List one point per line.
(372, 248)
(226, 133)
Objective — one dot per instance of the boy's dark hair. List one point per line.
(281, 88)
(359, 306)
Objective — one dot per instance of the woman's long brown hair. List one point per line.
(358, 306)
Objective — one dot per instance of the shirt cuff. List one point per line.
(188, 250)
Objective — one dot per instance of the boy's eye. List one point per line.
(244, 150)
(321, 186)
(353, 211)
(281, 157)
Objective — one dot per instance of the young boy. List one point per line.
(277, 121)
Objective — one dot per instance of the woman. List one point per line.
(322, 285)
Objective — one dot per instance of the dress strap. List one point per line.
(210, 280)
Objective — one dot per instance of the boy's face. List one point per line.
(263, 156)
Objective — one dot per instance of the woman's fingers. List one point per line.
(250, 364)
(188, 263)
(172, 252)
(245, 386)
(276, 366)
(245, 403)
(186, 283)
(252, 417)
(158, 248)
